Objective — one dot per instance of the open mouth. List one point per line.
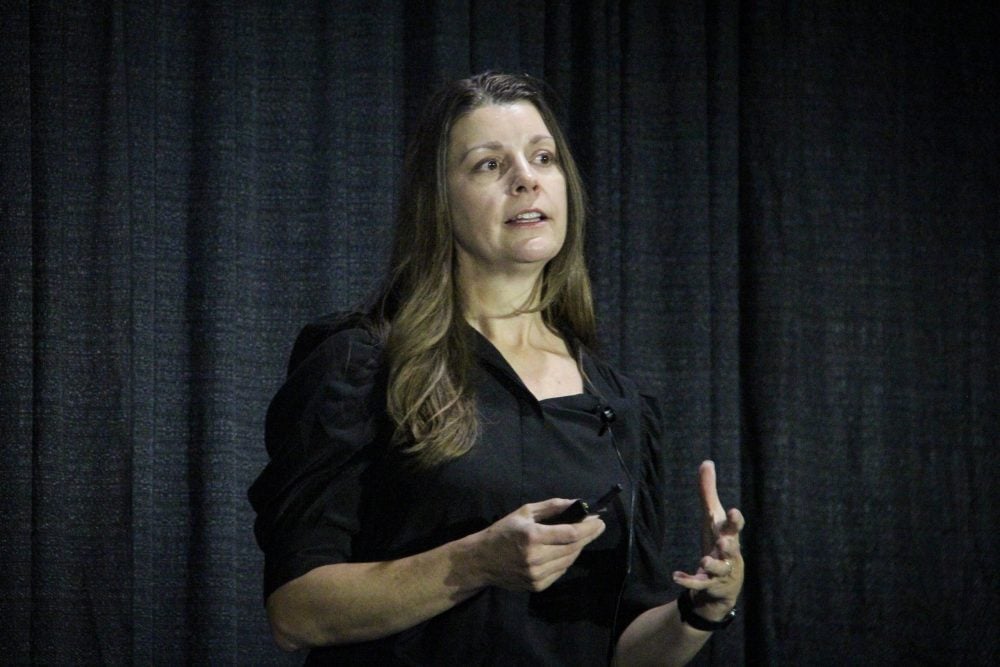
(527, 218)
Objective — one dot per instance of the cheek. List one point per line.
(465, 216)
(460, 227)
(458, 206)
(558, 190)
(466, 207)
(471, 207)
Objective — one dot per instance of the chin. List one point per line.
(538, 254)
(538, 251)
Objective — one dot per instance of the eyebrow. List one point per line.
(496, 145)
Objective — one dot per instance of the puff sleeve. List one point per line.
(324, 427)
(649, 580)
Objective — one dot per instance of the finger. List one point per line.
(550, 562)
(709, 492)
(591, 528)
(727, 546)
(695, 582)
(702, 580)
(539, 585)
(547, 509)
(538, 577)
(718, 567)
(734, 523)
(571, 534)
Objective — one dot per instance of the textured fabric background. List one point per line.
(793, 240)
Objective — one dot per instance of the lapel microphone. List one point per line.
(607, 415)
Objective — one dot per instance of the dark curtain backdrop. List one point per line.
(793, 241)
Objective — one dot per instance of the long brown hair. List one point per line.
(430, 395)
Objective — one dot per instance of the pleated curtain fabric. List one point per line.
(793, 241)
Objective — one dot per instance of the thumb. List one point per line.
(547, 509)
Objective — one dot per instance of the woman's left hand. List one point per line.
(717, 582)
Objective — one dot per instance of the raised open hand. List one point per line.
(716, 584)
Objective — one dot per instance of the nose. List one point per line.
(523, 178)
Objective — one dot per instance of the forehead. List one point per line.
(509, 124)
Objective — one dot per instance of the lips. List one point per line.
(527, 217)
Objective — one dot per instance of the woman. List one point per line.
(421, 453)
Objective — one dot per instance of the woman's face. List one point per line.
(506, 190)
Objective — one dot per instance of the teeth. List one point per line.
(534, 215)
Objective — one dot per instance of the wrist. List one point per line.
(707, 616)
(469, 569)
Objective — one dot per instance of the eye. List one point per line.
(545, 158)
(489, 164)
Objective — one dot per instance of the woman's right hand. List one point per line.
(519, 553)
(344, 603)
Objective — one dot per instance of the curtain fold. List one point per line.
(793, 241)
(17, 373)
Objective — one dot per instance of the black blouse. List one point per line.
(334, 492)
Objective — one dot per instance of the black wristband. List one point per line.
(688, 615)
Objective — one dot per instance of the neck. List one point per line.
(496, 306)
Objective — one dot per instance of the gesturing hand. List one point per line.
(717, 582)
(518, 553)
